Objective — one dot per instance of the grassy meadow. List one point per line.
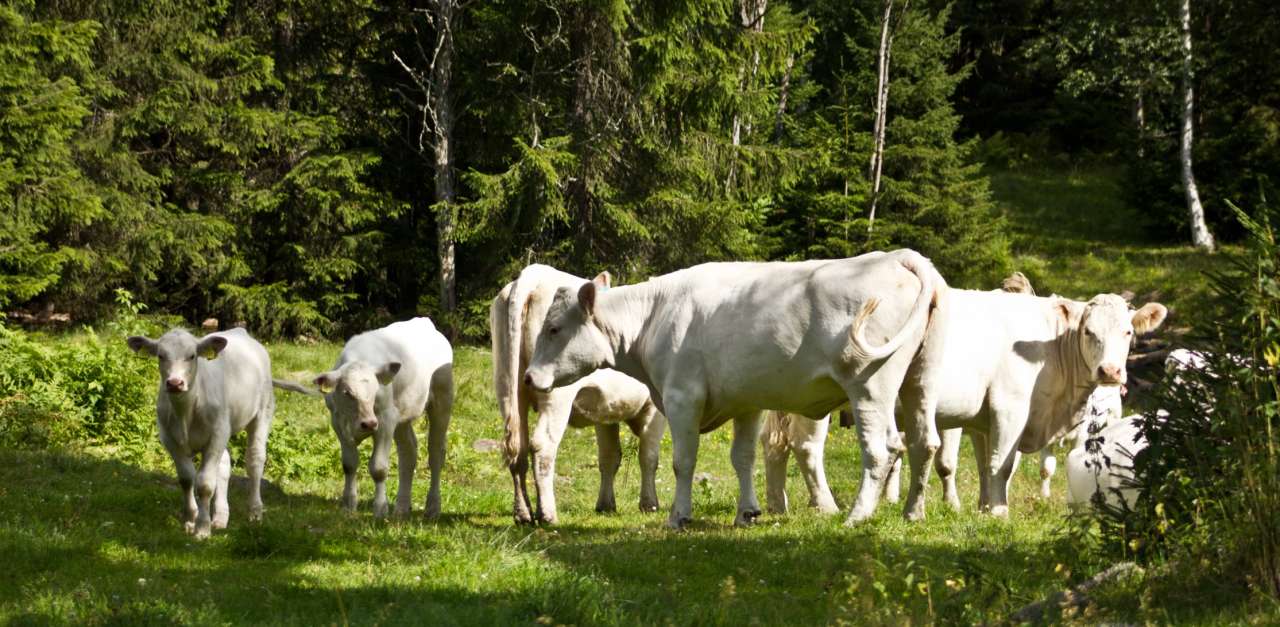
(90, 536)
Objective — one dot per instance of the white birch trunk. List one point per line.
(881, 106)
(1200, 235)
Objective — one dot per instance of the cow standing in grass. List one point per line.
(382, 382)
(210, 389)
(603, 399)
(723, 341)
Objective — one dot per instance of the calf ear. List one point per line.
(387, 373)
(1149, 317)
(604, 281)
(210, 346)
(138, 344)
(325, 381)
(587, 298)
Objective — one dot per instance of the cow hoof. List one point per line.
(202, 533)
(606, 508)
(189, 527)
(219, 523)
(1000, 511)
(431, 512)
(523, 518)
(548, 520)
(255, 515)
(827, 508)
(649, 508)
(678, 523)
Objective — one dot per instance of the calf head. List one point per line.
(178, 352)
(352, 389)
(1106, 329)
(570, 345)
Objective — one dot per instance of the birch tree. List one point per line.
(1200, 235)
(881, 105)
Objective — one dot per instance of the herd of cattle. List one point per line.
(772, 347)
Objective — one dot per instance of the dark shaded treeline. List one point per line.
(280, 162)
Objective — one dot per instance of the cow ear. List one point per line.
(139, 344)
(387, 373)
(587, 298)
(326, 380)
(1064, 311)
(210, 346)
(604, 280)
(1149, 317)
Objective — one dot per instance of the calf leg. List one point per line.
(255, 460)
(923, 443)
(186, 469)
(981, 453)
(777, 450)
(1004, 460)
(743, 455)
(1048, 464)
(552, 422)
(439, 415)
(407, 463)
(379, 464)
(221, 511)
(519, 466)
(946, 462)
(809, 442)
(609, 458)
(649, 427)
(206, 484)
(350, 461)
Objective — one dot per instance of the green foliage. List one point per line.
(1210, 480)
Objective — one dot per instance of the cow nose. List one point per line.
(369, 425)
(528, 379)
(175, 385)
(1110, 373)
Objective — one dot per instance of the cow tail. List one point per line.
(294, 387)
(506, 323)
(777, 432)
(860, 350)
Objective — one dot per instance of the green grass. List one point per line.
(1075, 235)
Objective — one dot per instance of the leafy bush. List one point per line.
(1209, 483)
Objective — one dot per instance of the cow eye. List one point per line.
(553, 331)
(192, 357)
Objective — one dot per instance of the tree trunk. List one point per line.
(1140, 121)
(782, 99)
(751, 13)
(442, 131)
(1200, 235)
(881, 105)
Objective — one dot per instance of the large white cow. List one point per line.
(383, 381)
(210, 389)
(603, 399)
(722, 341)
(1017, 370)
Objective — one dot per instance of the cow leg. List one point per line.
(946, 462)
(519, 465)
(206, 484)
(221, 510)
(350, 461)
(809, 442)
(684, 413)
(649, 427)
(923, 444)
(439, 415)
(1048, 464)
(777, 450)
(186, 470)
(379, 464)
(1004, 460)
(743, 455)
(609, 458)
(407, 463)
(873, 418)
(983, 457)
(552, 422)
(893, 483)
(255, 460)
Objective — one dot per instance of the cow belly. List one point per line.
(814, 399)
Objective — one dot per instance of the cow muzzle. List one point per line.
(537, 383)
(369, 424)
(1111, 374)
(175, 385)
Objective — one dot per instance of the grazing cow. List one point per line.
(602, 399)
(1018, 368)
(210, 389)
(382, 382)
(723, 341)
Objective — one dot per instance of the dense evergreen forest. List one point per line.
(314, 167)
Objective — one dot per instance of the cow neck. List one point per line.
(1077, 384)
(185, 405)
(621, 315)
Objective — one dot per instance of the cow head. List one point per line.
(570, 345)
(178, 351)
(352, 389)
(1106, 329)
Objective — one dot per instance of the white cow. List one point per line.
(602, 399)
(210, 389)
(382, 382)
(722, 341)
(1017, 369)
(1101, 459)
